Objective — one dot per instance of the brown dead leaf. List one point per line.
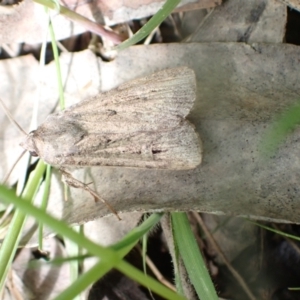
(239, 88)
(28, 22)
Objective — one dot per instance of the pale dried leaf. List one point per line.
(28, 22)
(260, 21)
(240, 87)
(45, 281)
(15, 288)
(295, 4)
(114, 12)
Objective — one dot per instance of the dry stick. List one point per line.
(6, 213)
(13, 288)
(289, 240)
(10, 208)
(83, 21)
(235, 274)
(188, 39)
(10, 117)
(157, 273)
(73, 182)
(7, 112)
(13, 166)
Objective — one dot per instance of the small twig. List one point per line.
(11, 118)
(233, 271)
(73, 182)
(13, 166)
(157, 273)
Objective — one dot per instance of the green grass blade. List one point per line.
(136, 233)
(155, 21)
(122, 247)
(74, 249)
(284, 125)
(84, 281)
(57, 67)
(282, 233)
(11, 241)
(44, 204)
(7, 196)
(192, 257)
(147, 281)
(109, 258)
(83, 21)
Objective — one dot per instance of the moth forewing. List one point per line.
(139, 124)
(174, 90)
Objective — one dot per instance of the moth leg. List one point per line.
(73, 182)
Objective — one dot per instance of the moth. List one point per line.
(140, 124)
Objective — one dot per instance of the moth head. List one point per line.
(29, 144)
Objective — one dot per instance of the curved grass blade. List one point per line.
(192, 258)
(155, 21)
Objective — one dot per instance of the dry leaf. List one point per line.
(257, 21)
(239, 88)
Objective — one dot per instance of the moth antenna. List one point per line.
(8, 114)
(14, 165)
